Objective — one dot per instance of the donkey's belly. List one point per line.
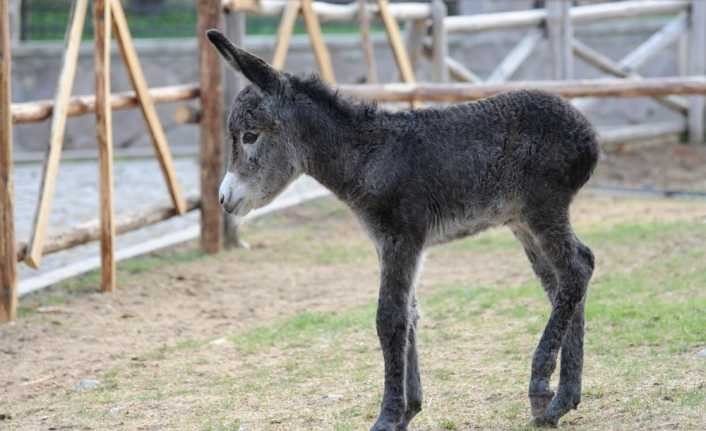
(499, 213)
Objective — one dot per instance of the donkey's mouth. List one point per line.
(234, 207)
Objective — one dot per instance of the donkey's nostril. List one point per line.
(222, 198)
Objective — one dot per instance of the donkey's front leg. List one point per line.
(399, 259)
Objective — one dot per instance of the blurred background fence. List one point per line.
(45, 20)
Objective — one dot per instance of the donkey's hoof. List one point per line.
(544, 422)
(384, 424)
(539, 402)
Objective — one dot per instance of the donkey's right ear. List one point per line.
(255, 69)
(228, 51)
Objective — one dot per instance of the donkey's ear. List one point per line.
(255, 69)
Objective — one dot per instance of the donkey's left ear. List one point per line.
(254, 68)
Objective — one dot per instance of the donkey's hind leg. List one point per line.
(414, 384)
(539, 396)
(565, 266)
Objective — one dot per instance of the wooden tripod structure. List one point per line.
(106, 12)
(291, 12)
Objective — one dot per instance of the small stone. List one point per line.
(115, 410)
(87, 384)
(702, 353)
(219, 342)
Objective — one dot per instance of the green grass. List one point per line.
(321, 369)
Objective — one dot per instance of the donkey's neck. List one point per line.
(335, 152)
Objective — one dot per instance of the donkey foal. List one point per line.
(424, 177)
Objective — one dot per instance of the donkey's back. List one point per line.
(475, 165)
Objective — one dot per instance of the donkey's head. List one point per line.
(264, 159)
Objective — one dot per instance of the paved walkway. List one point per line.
(138, 184)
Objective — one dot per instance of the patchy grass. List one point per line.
(313, 362)
(72, 288)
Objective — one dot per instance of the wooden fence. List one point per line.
(427, 27)
(108, 15)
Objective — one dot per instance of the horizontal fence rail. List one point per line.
(328, 12)
(90, 231)
(578, 14)
(460, 92)
(34, 112)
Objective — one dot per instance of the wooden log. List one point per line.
(104, 135)
(235, 29)
(614, 138)
(514, 59)
(139, 83)
(91, 230)
(415, 32)
(697, 66)
(58, 125)
(187, 114)
(240, 6)
(683, 54)
(646, 50)
(457, 71)
(627, 9)
(210, 75)
(605, 64)
(284, 33)
(316, 38)
(579, 14)
(560, 33)
(431, 92)
(329, 12)
(440, 48)
(656, 43)
(371, 75)
(37, 111)
(396, 44)
(8, 265)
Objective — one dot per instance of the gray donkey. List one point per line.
(424, 177)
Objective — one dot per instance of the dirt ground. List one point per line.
(282, 336)
(670, 166)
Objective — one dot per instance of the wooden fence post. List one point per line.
(697, 66)
(8, 260)
(371, 74)
(560, 33)
(235, 30)
(440, 73)
(104, 135)
(15, 20)
(209, 13)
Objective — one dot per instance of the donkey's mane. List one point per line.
(330, 99)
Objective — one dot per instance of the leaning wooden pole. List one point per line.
(8, 265)
(58, 126)
(209, 13)
(149, 112)
(104, 135)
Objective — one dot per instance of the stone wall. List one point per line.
(168, 62)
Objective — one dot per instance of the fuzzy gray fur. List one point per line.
(424, 177)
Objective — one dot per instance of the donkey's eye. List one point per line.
(249, 137)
